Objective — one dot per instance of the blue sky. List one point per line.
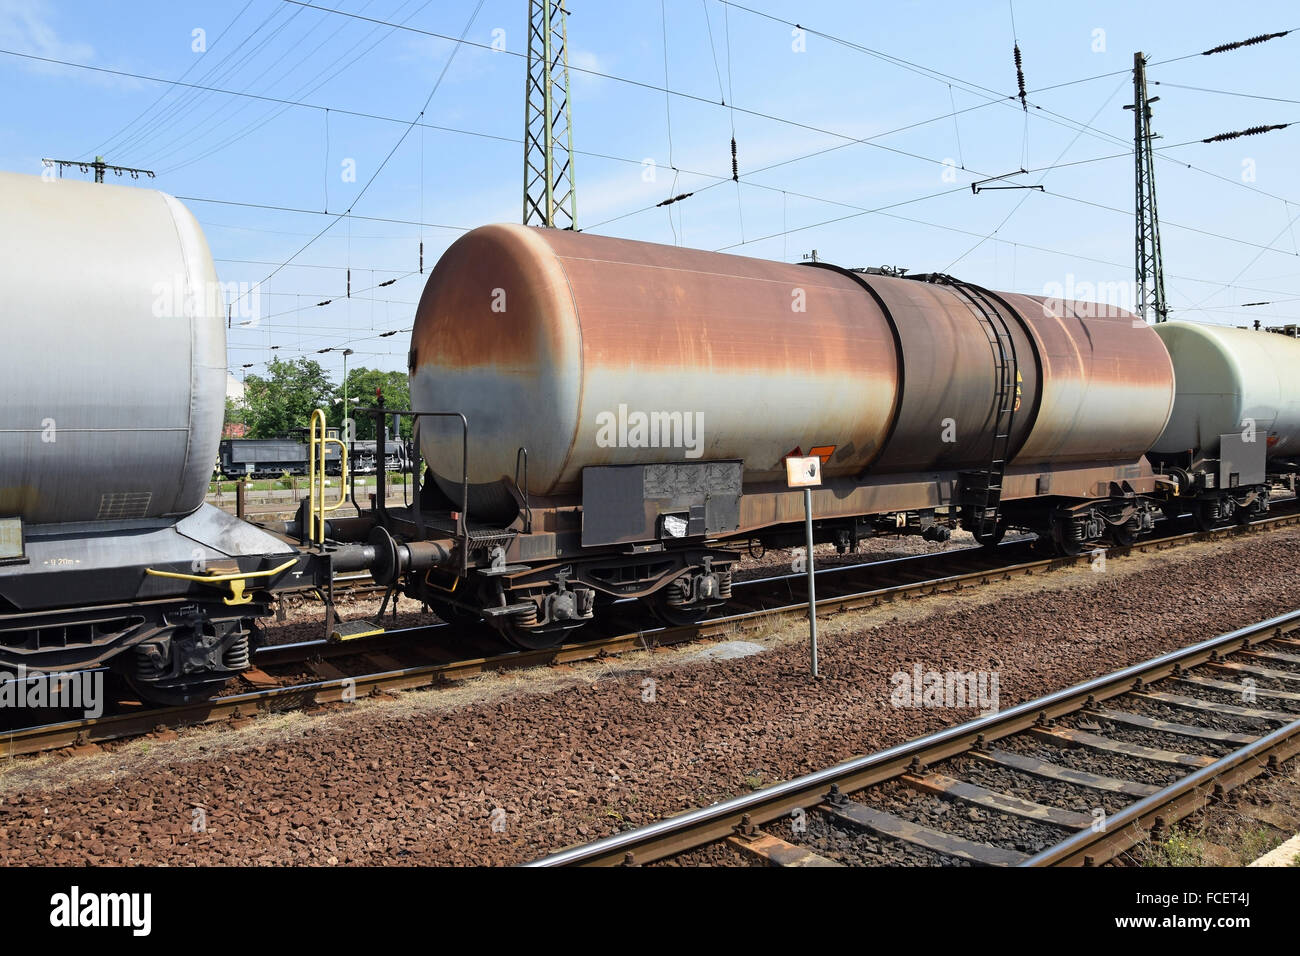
(1222, 205)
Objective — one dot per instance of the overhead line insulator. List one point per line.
(1262, 38)
(1020, 79)
(669, 202)
(1253, 131)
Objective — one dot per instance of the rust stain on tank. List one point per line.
(948, 405)
(645, 306)
(773, 354)
(1108, 379)
(493, 298)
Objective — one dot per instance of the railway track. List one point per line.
(1074, 778)
(322, 673)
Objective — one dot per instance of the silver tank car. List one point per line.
(112, 394)
(1228, 380)
(112, 378)
(1235, 427)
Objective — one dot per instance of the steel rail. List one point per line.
(711, 824)
(94, 731)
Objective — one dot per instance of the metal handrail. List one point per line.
(317, 508)
(462, 522)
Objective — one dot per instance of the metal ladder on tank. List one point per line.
(984, 492)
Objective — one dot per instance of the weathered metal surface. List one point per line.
(947, 410)
(112, 377)
(767, 504)
(627, 503)
(1108, 385)
(590, 351)
(104, 563)
(1227, 376)
(557, 341)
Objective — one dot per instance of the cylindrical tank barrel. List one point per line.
(112, 376)
(1231, 381)
(589, 350)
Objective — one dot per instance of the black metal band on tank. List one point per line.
(1029, 337)
(981, 298)
(896, 412)
(970, 290)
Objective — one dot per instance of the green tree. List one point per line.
(362, 383)
(235, 414)
(286, 397)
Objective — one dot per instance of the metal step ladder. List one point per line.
(983, 497)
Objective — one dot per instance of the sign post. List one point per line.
(806, 473)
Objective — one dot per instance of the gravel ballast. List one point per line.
(507, 767)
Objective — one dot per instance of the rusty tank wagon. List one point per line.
(604, 418)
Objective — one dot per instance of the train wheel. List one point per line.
(176, 695)
(1206, 514)
(1064, 541)
(532, 639)
(1123, 535)
(454, 613)
(675, 615)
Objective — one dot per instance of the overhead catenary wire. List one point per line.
(221, 72)
(961, 157)
(200, 132)
(1038, 184)
(1047, 114)
(847, 140)
(1204, 89)
(375, 175)
(195, 125)
(101, 148)
(422, 216)
(731, 116)
(713, 51)
(131, 129)
(995, 96)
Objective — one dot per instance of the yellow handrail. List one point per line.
(236, 579)
(317, 509)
